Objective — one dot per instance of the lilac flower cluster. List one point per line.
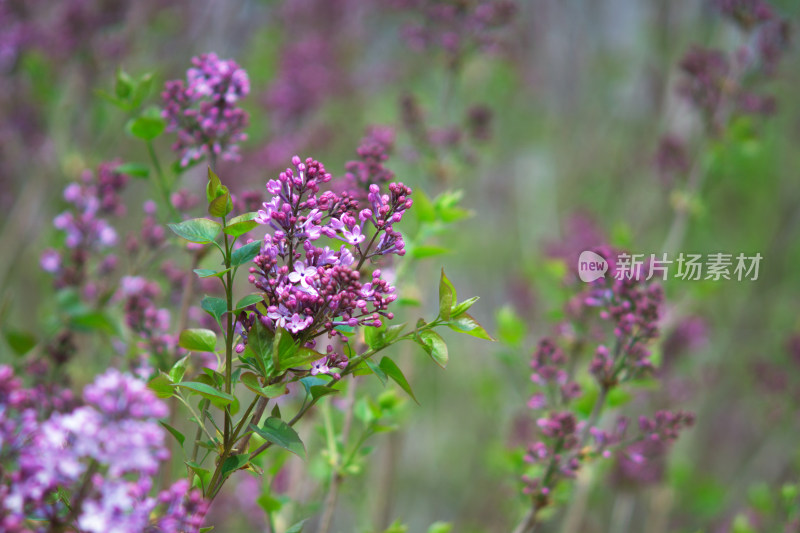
(719, 84)
(85, 229)
(672, 159)
(104, 455)
(427, 138)
(456, 27)
(369, 168)
(631, 308)
(746, 13)
(149, 323)
(309, 290)
(151, 235)
(204, 112)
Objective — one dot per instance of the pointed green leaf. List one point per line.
(248, 300)
(198, 340)
(174, 432)
(217, 397)
(464, 323)
(234, 463)
(464, 306)
(137, 170)
(199, 230)
(216, 307)
(214, 186)
(161, 385)
(179, 369)
(377, 370)
(241, 224)
(20, 341)
(124, 84)
(209, 273)
(221, 205)
(203, 474)
(280, 433)
(447, 297)
(433, 343)
(393, 371)
(245, 254)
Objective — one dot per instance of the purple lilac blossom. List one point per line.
(203, 110)
(456, 27)
(632, 308)
(104, 454)
(86, 230)
(309, 290)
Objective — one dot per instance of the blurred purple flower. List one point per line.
(203, 111)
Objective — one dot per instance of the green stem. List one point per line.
(199, 433)
(160, 180)
(229, 334)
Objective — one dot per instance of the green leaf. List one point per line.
(124, 85)
(303, 356)
(248, 300)
(20, 341)
(393, 371)
(433, 343)
(464, 306)
(147, 127)
(298, 527)
(221, 205)
(377, 370)
(179, 369)
(94, 321)
(251, 381)
(161, 385)
(260, 342)
(198, 340)
(199, 230)
(280, 433)
(425, 251)
(175, 433)
(464, 323)
(217, 397)
(216, 307)
(141, 90)
(214, 186)
(137, 170)
(245, 254)
(447, 296)
(203, 474)
(234, 463)
(210, 273)
(241, 224)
